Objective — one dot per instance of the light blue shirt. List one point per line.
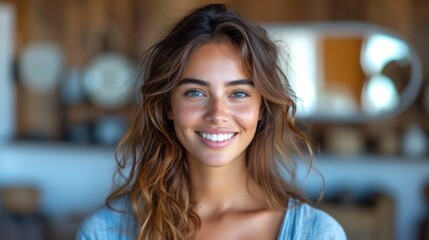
(301, 221)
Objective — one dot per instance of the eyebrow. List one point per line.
(206, 84)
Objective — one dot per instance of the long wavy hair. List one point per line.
(150, 157)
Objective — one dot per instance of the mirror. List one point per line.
(347, 71)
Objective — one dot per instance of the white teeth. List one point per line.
(217, 137)
(221, 137)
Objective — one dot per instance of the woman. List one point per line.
(208, 148)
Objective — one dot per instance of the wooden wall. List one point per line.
(79, 25)
(87, 27)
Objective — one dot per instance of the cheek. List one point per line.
(184, 115)
(247, 115)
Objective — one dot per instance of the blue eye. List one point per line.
(194, 93)
(240, 94)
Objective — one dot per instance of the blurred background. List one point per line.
(360, 69)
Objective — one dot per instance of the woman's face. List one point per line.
(215, 107)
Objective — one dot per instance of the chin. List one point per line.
(218, 161)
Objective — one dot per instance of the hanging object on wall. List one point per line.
(107, 80)
(380, 69)
(40, 67)
(41, 64)
(107, 76)
(7, 88)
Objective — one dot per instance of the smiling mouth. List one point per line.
(216, 137)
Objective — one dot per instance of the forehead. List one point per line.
(215, 60)
(224, 48)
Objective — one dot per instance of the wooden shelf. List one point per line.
(86, 113)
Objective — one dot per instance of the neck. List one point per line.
(215, 190)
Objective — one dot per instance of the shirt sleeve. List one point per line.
(94, 227)
(81, 234)
(108, 224)
(317, 224)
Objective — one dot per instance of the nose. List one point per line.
(217, 111)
